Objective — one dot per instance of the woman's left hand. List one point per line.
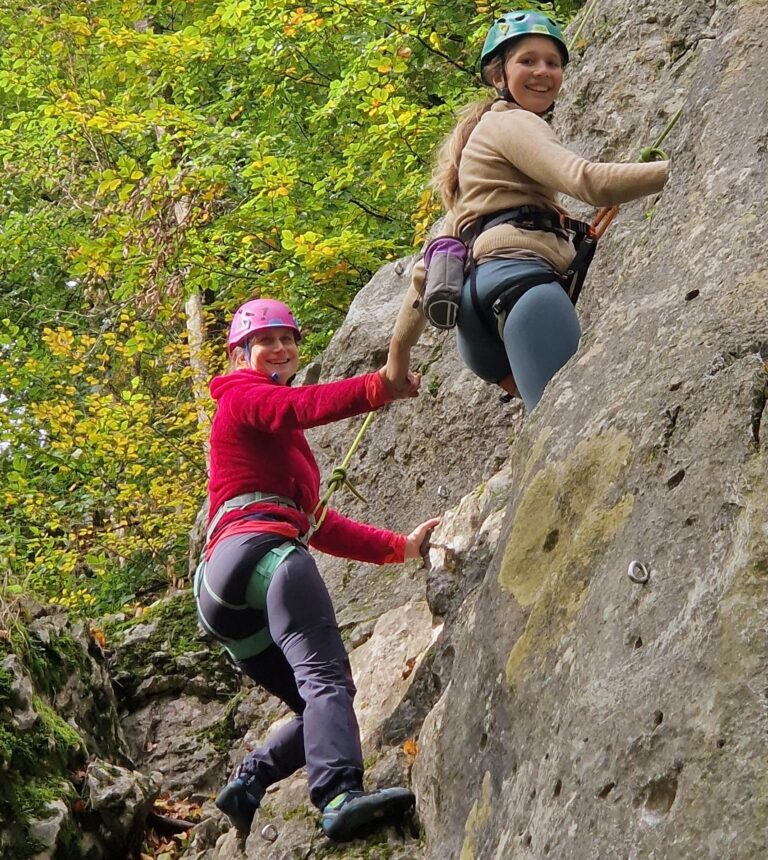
(415, 540)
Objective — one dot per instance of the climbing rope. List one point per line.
(340, 477)
(584, 18)
(654, 152)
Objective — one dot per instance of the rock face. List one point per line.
(57, 713)
(419, 457)
(589, 716)
(572, 712)
(547, 705)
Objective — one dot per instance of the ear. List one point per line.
(496, 76)
(238, 359)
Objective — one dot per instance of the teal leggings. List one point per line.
(541, 332)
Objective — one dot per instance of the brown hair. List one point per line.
(233, 362)
(445, 178)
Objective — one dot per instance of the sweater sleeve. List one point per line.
(411, 321)
(346, 538)
(528, 142)
(278, 407)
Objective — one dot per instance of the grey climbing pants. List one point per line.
(540, 334)
(307, 667)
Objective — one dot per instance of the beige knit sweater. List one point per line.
(513, 158)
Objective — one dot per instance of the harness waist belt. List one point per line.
(243, 501)
(527, 218)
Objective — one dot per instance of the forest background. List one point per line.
(163, 161)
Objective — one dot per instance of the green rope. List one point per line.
(340, 477)
(654, 151)
(584, 18)
(670, 125)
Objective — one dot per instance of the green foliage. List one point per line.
(226, 148)
(22, 798)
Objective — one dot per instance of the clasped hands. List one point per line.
(400, 380)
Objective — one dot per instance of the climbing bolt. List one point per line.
(269, 833)
(638, 572)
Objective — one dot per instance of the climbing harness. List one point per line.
(583, 235)
(254, 596)
(244, 501)
(254, 599)
(531, 218)
(638, 572)
(269, 833)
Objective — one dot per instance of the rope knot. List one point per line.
(652, 153)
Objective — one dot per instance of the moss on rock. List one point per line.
(50, 664)
(53, 663)
(567, 514)
(223, 733)
(476, 820)
(171, 631)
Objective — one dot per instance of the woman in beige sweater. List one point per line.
(501, 156)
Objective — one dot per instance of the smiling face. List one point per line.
(273, 351)
(534, 70)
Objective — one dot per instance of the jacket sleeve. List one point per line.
(346, 538)
(528, 143)
(272, 408)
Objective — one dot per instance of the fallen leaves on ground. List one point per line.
(157, 847)
(185, 810)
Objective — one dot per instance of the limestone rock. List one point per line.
(383, 667)
(121, 799)
(45, 830)
(590, 716)
(419, 457)
(564, 710)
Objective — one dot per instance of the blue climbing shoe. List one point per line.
(239, 801)
(354, 813)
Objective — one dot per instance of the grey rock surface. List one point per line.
(590, 716)
(121, 799)
(419, 457)
(564, 710)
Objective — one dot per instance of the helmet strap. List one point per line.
(504, 91)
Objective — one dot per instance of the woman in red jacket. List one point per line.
(259, 591)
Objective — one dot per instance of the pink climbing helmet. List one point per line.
(256, 315)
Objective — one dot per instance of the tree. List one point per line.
(159, 151)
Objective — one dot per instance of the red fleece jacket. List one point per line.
(257, 444)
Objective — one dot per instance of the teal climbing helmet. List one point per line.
(514, 25)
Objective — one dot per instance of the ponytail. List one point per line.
(445, 178)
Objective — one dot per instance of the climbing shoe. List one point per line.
(354, 813)
(240, 801)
